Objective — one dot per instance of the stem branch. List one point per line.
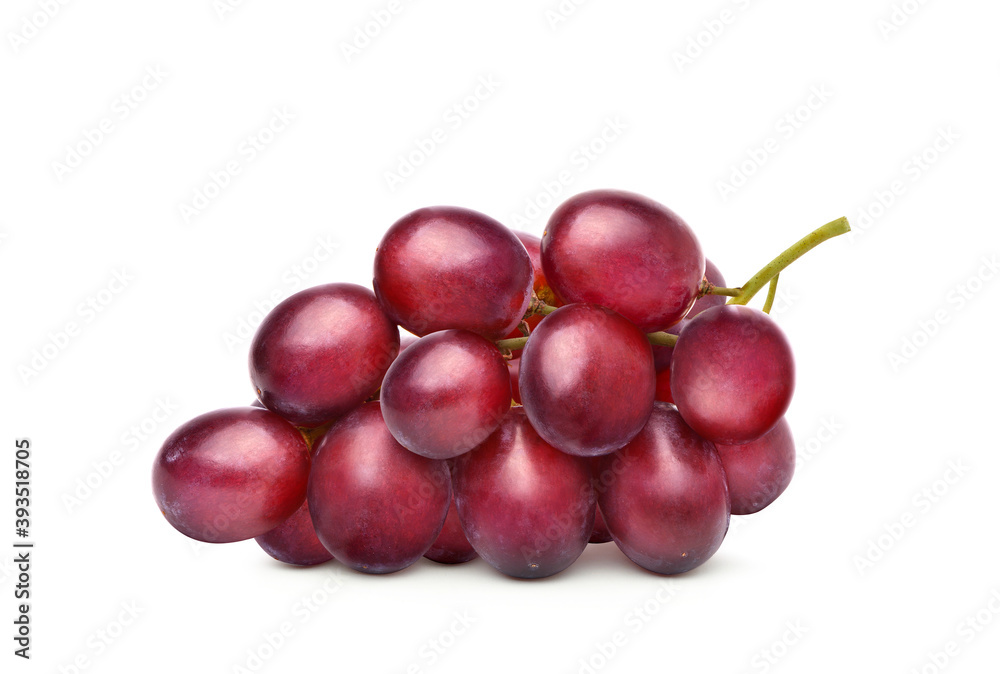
(803, 246)
(771, 293)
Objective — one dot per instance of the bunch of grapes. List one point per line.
(601, 383)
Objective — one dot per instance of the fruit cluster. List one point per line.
(594, 385)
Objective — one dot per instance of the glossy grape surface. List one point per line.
(732, 374)
(376, 506)
(445, 394)
(527, 508)
(626, 252)
(447, 267)
(759, 471)
(231, 474)
(321, 352)
(664, 497)
(587, 380)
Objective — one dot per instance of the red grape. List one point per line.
(664, 496)
(231, 474)
(294, 541)
(527, 508)
(760, 470)
(376, 506)
(451, 546)
(600, 534)
(625, 252)
(732, 374)
(321, 352)
(445, 394)
(587, 380)
(447, 267)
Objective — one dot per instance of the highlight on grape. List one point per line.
(503, 396)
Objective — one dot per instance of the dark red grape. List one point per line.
(514, 365)
(231, 474)
(376, 506)
(446, 393)
(294, 541)
(625, 252)
(732, 374)
(663, 393)
(451, 546)
(587, 379)
(321, 352)
(447, 267)
(527, 508)
(664, 496)
(759, 471)
(600, 534)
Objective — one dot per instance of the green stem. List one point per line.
(512, 344)
(662, 338)
(807, 243)
(771, 293)
(728, 292)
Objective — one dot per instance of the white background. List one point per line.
(874, 431)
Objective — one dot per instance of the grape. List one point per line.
(527, 508)
(514, 365)
(759, 471)
(294, 541)
(451, 546)
(664, 496)
(445, 394)
(600, 534)
(321, 352)
(714, 276)
(663, 393)
(376, 506)
(587, 379)
(446, 267)
(231, 474)
(625, 252)
(732, 374)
